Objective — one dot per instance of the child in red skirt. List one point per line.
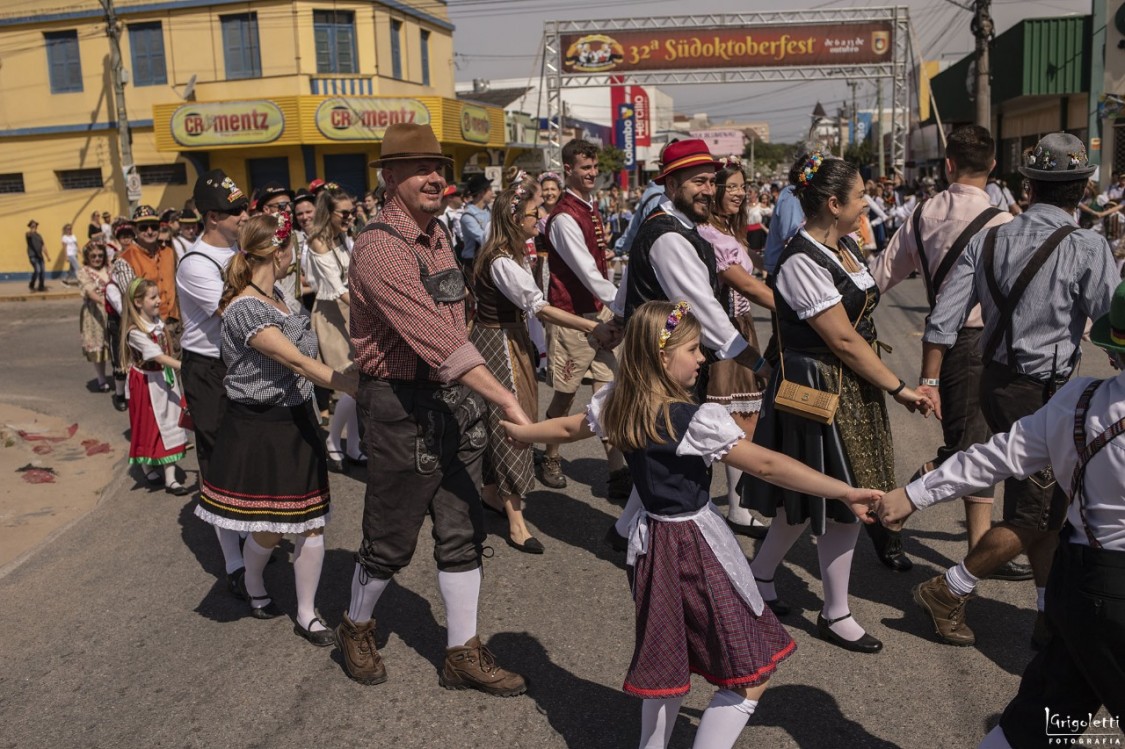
(698, 608)
(156, 438)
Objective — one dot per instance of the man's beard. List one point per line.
(692, 209)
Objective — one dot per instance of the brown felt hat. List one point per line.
(404, 141)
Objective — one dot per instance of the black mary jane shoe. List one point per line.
(361, 461)
(234, 583)
(177, 489)
(865, 644)
(530, 546)
(336, 465)
(269, 611)
(888, 547)
(120, 402)
(754, 530)
(777, 606)
(321, 638)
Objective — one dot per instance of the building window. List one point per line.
(240, 46)
(334, 32)
(11, 182)
(163, 174)
(396, 49)
(80, 179)
(63, 63)
(146, 40)
(425, 58)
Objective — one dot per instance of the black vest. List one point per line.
(643, 284)
(493, 308)
(671, 484)
(798, 334)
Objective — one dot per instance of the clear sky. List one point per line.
(502, 39)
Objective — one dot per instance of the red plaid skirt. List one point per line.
(690, 619)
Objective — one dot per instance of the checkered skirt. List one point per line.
(690, 619)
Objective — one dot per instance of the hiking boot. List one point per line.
(362, 661)
(620, 484)
(946, 610)
(474, 667)
(550, 472)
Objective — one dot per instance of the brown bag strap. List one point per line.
(781, 348)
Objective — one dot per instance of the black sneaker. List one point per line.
(1012, 572)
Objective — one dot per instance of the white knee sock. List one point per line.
(119, 386)
(723, 720)
(632, 507)
(344, 416)
(170, 474)
(736, 513)
(834, 550)
(232, 555)
(995, 740)
(460, 592)
(308, 559)
(960, 581)
(366, 591)
(99, 369)
(779, 539)
(256, 558)
(658, 718)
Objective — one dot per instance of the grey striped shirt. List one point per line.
(1076, 283)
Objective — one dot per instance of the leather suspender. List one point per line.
(1006, 303)
(1086, 451)
(933, 286)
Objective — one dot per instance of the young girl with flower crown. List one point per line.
(698, 609)
(156, 438)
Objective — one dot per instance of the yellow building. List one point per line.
(274, 90)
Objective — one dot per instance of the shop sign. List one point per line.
(227, 123)
(749, 47)
(638, 97)
(360, 118)
(625, 133)
(476, 127)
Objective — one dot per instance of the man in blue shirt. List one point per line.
(787, 220)
(476, 216)
(648, 203)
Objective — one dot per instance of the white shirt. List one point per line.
(516, 283)
(329, 271)
(808, 288)
(107, 232)
(570, 248)
(181, 245)
(199, 288)
(1046, 438)
(71, 243)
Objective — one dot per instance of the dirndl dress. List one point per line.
(92, 317)
(155, 402)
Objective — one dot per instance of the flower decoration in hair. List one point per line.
(730, 161)
(284, 229)
(330, 186)
(681, 309)
(520, 193)
(549, 175)
(809, 170)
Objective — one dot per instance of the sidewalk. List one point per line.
(16, 291)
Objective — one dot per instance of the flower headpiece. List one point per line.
(729, 161)
(521, 192)
(284, 229)
(682, 308)
(549, 175)
(812, 164)
(330, 186)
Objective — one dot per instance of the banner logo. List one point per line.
(357, 118)
(227, 123)
(594, 53)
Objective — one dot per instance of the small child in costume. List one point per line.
(157, 440)
(698, 609)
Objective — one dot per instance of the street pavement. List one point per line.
(120, 632)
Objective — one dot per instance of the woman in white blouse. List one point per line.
(328, 269)
(506, 293)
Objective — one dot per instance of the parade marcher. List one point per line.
(95, 226)
(550, 190)
(107, 227)
(69, 248)
(1037, 280)
(697, 608)
(329, 260)
(269, 447)
(1081, 668)
(475, 216)
(93, 277)
(199, 282)
(188, 233)
(649, 202)
(147, 258)
(275, 198)
(506, 295)
(825, 298)
(999, 196)
(38, 256)
(930, 243)
(156, 439)
(786, 220)
(421, 388)
(453, 209)
(579, 251)
(123, 235)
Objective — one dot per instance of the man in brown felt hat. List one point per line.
(421, 385)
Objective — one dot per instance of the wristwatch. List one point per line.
(929, 382)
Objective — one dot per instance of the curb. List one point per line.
(41, 296)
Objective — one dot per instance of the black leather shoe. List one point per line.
(177, 489)
(530, 546)
(336, 465)
(361, 461)
(777, 606)
(234, 583)
(615, 540)
(753, 530)
(120, 403)
(865, 644)
(1013, 572)
(888, 546)
(269, 611)
(321, 638)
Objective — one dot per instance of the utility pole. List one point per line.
(982, 29)
(840, 120)
(125, 146)
(855, 114)
(880, 168)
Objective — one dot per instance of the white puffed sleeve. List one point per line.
(517, 284)
(711, 434)
(594, 410)
(806, 287)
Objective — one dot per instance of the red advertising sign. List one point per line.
(753, 46)
(638, 97)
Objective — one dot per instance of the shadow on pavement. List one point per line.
(572, 522)
(813, 718)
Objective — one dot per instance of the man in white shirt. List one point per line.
(199, 283)
(1078, 433)
(1001, 197)
(189, 232)
(453, 209)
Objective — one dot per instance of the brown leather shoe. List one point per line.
(946, 610)
(362, 661)
(550, 472)
(474, 667)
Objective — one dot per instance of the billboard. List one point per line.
(844, 43)
(227, 123)
(366, 118)
(722, 142)
(625, 133)
(638, 97)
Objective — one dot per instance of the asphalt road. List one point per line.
(119, 632)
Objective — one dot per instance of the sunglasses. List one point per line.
(345, 214)
(147, 228)
(281, 206)
(95, 255)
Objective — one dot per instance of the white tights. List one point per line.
(719, 728)
(344, 417)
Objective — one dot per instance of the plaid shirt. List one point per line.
(394, 321)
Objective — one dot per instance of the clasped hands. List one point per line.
(607, 335)
(891, 509)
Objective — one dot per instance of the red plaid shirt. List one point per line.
(394, 321)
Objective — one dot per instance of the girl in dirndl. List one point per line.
(156, 439)
(698, 610)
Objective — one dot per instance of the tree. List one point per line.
(611, 160)
(771, 158)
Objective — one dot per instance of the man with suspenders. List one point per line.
(1037, 279)
(930, 243)
(1079, 435)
